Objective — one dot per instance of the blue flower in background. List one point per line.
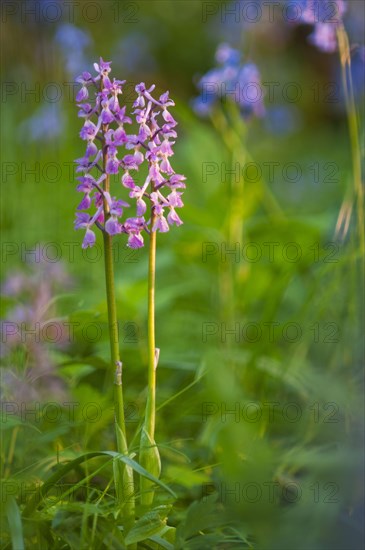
(225, 55)
(203, 106)
(134, 53)
(358, 72)
(44, 125)
(325, 15)
(73, 42)
(233, 81)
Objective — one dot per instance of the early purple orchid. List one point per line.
(112, 151)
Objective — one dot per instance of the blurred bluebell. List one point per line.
(233, 80)
(73, 42)
(325, 15)
(133, 53)
(203, 106)
(45, 124)
(358, 72)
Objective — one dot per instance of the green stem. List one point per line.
(151, 401)
(233, 222)
(149, 456)
(124, 476)
(110, 293)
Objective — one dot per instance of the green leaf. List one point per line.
(201, 515)
(165, 539)
(149, 457)
(15, 524)
(152, 523)
(161, 543)
(38, 496)
(186, 477)
(12, 422)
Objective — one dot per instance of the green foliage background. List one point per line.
(204, 458)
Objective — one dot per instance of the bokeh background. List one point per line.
(313, 460)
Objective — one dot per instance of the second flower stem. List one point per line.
(151, 401)
(149, 455)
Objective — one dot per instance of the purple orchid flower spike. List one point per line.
(111, 151)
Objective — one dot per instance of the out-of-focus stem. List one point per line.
(345, 58)
(11, 451)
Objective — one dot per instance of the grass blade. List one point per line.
(15, 524)
(38, 496)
